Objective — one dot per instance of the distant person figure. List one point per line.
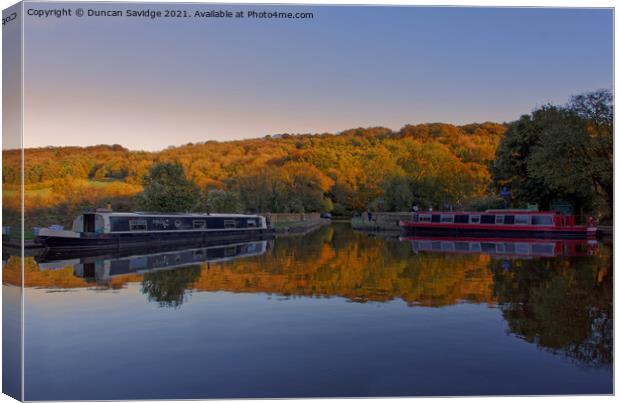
(109, 206)
(369, 216)
(506, 195)
(430, 208)
(414, 210)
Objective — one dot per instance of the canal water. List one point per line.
(331, 313)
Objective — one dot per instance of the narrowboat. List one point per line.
(498, 223)
(105, 229)
(503, 247)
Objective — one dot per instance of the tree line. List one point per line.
(556, 152)
(344, 172)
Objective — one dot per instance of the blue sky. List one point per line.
(148, 84)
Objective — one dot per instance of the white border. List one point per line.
(478, 3)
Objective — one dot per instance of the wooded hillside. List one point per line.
(350, 171)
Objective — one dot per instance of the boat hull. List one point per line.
(87, 241)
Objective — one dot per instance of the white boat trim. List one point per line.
(58, 233)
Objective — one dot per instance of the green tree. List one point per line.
(560, 152)
(167, 189)
(397, 194)
(596, 110)
(221, 201)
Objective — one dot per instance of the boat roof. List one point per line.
(158, 214)
(500, 212)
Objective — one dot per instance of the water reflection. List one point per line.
(563, 306)
(103, 268)
(556, 294)
(498, 247)
(167, 276)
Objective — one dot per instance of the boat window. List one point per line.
(414, 218)
(488, 219)
(200, 224)
(522, 219)
(499, 219)
(425, 218)
(252, 223)
(230, 224)
(461, 218)
(474, 219)
(137, 225)
(435, 218)
(447, 218)
(178, 223)
(542, 220)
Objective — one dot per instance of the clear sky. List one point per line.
(148, 84)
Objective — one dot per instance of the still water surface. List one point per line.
(331, 313)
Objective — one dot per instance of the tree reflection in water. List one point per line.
(563, 305)
(170, 287)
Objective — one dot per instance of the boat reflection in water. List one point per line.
(102, 268)
(504, 248)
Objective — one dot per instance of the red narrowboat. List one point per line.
(499, 223)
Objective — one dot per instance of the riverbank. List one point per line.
(379, 222)
(288, 228)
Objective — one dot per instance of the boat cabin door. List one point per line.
(93, 223)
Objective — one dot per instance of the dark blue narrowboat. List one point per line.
(105, 229)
